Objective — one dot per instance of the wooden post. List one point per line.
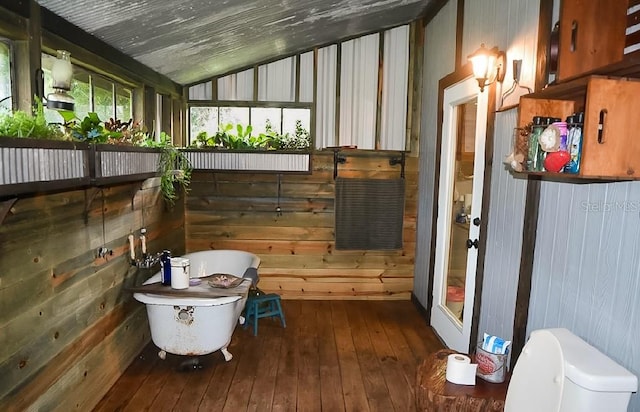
(28, 61)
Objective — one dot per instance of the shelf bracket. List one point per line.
(89, 196)
(5, 208)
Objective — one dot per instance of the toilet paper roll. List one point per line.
(460, 370)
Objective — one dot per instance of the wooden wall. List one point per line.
(299, 260)
(68, 325)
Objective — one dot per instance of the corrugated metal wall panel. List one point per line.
(517, 35)
(25, 165)
(202, 91)
(504, 236)
(285, 162)
(127, 163)
(306, 77)
(439, 60)
(358, 91)
(277, 81)
(395, 74)
(586, 273)
(326, 97)
(512, 27)
(236, 86)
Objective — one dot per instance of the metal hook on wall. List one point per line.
(278, 208)
(337, 158)
(401, 161)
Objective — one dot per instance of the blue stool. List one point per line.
(263, 306)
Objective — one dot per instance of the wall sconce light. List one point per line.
(488, 65)
(62, 74)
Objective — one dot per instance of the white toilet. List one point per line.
(559, 372)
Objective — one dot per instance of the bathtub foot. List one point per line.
(162, 355)
(227, 356)
(241, 320)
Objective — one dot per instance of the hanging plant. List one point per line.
(174, 168)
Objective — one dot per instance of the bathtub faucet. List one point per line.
(147, 261)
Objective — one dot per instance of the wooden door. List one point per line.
(460, 194)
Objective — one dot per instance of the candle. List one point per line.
(131, 249)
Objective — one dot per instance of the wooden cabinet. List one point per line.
(592, 35)
(610, 147)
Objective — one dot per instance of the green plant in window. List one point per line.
(245, 140)
(223, 137)
(22, 124)
(126, 133)
(90, 129)
(203, 140)
(301, 140)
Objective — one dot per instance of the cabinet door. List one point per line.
(592, 35)
(610, 146)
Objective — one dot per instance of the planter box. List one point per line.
(35, 165)
(117, 164)
(253, 161)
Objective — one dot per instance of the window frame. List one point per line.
(250, 104)
(12, 75)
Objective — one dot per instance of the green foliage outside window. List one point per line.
(208, 128)
(239, 137)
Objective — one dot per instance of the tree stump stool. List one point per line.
(435, 394)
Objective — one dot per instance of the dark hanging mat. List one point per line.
(369, 214)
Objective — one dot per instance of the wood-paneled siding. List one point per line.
(299, 260)
(68, 326)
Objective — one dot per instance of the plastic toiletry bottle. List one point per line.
(562, 126)
(575, 143)
(165, 264)
(534, 146)
(546, 122)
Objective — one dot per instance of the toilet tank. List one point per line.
(593, 382)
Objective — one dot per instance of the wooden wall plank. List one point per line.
(297, 248)
(68, 323)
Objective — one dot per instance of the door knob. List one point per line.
(476, 221)
(472, 243)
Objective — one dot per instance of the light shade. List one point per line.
(488, 65)
(61, 75)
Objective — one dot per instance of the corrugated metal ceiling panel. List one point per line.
(192, 40)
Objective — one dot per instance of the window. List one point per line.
(103, 98)
(123, 103)
(294, 122)
(91, 93)
(261, 117)
(202, 119)
(234, 115)
(5, 76)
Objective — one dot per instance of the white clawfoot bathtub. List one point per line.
(198, 326)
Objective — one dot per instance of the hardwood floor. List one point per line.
(332, 356)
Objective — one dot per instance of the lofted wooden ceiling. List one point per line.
(192, 40)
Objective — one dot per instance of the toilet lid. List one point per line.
(538, 377)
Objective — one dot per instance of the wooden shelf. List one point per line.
(609, 150)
